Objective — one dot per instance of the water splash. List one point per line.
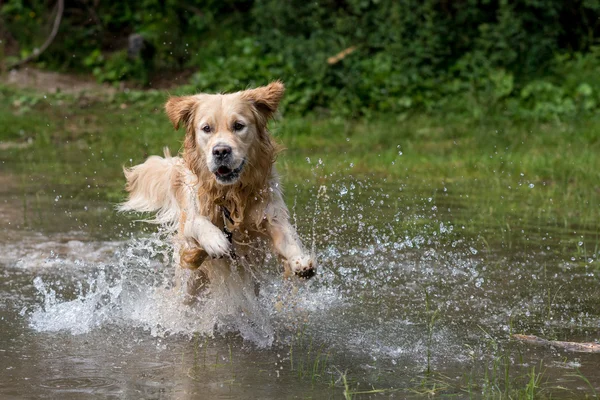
(140, 289)
(370, 271)
(91, 309)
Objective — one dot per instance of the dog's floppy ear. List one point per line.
(266, 98)
(180, 109)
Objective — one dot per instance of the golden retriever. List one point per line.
(223, 193)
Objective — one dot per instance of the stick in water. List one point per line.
(585, 347)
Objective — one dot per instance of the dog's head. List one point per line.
(225, 132)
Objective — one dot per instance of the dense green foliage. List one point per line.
(528, 58)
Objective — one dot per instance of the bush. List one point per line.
(531, 58)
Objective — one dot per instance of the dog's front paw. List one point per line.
(303, 266)
(215, 243)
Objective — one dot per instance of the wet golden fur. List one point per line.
(252, 187)
(187, 195)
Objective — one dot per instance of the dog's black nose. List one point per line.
(221, 152)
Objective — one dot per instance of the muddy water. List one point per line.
(404, 303)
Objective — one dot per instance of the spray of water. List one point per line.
(367, 297)
(140, 289)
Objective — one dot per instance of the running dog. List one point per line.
(223, 192)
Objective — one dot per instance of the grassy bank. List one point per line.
(498, 179)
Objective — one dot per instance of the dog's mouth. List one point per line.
(224, 174)
(222, 171)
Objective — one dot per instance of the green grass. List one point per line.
(506, 183)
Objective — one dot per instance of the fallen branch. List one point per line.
(341, 55)
(580, 347)
(49, 39)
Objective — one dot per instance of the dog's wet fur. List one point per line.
(227, 163)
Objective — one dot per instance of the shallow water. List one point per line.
(404, 303)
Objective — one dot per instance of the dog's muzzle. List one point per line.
(222, 160)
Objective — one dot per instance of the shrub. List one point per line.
(532, 58)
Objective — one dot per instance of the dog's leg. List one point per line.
(287, 244)
(196, 284)
(196, 228)
(209, 237)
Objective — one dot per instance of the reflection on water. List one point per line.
(400, 290)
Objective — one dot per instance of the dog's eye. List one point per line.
(206, 128)
(238, 126)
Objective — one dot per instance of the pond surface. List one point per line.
(404, 305)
